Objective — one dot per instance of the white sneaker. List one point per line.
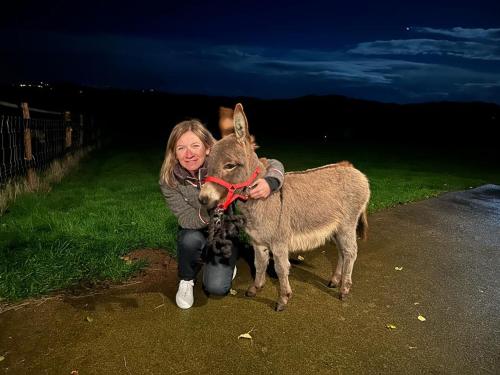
(234, 272)
(184, 297)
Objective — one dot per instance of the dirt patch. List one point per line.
(161, 271)
(160, 275)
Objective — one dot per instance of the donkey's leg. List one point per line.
(337, 274)
(261, 261)
(346, 239)
(282, 267)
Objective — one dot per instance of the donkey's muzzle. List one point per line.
(206, 201)
(203, 200)
(209, 196)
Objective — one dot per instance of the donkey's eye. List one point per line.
(229, 166)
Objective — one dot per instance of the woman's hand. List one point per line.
(260, 189)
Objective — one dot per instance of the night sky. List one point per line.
(387, 51)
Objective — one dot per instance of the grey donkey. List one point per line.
(313, 207)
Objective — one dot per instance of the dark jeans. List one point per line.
(192, 254)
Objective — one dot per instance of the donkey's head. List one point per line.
(232, 159)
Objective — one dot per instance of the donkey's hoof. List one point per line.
(331, 284)
(251, 292)
(343, 296)
(280, 306)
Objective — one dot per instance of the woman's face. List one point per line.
(191, 152)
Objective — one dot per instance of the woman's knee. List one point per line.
(216, 288)
(190, 239)
(217, 279)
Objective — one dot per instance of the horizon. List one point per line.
(34, 85)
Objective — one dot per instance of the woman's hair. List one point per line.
(167, 169)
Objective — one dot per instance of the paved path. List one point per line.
(449, 251)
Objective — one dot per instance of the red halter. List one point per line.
(231, 196)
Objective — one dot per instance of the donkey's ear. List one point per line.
(240, 123)
(226, 125)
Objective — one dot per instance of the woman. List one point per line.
(181, 175)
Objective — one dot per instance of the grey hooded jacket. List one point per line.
(183, 198)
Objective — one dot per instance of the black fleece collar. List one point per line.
(184, 176)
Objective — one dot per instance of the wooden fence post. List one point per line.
(28, 154)
(81, 130)
(69, 130)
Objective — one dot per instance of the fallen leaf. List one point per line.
(416, 303)
(412, 347)
(74, 372)
(398, 268)
(1, 358)
(390, 326)
(126, 259)
(246, 335)
(421, 318)
(300, 257)
(233, 292)
(89, 319)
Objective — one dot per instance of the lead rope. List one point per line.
(220, 227)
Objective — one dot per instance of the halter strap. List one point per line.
(231, 195)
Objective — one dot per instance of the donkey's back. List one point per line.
(319, 202)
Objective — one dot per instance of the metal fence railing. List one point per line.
(30, 141)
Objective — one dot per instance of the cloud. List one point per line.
(463, 33)
(482, 85)
(354, 70)
(413, 47)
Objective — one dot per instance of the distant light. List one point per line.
(407, 28)
(81, 91)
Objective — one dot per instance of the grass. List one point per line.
(42, 182)
(111, 204)
(77, 231)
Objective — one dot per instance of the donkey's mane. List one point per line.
(343, 163)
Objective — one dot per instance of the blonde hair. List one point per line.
(167, 169)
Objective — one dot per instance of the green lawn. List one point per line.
(112, 204)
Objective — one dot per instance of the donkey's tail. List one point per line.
(362, 228)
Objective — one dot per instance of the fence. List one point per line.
(31, 138)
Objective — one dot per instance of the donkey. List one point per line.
(313, 206)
